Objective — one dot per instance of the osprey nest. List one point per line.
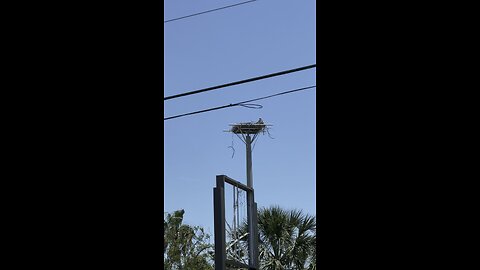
(249, 127)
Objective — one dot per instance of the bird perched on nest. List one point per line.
(260, 121)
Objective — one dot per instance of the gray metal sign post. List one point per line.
(221, 260)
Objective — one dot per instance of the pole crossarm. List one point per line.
(236, 183)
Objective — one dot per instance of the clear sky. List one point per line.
(245, 41)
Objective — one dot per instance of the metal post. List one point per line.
(250, 207)
(255, 230)
(219, 219)
(246, 129)
(249, 161)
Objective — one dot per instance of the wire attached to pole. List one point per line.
(233, 154)
(251, 106)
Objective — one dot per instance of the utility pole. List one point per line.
(248, 144)
(244, 132)
(251, 211)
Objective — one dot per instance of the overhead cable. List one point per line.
(240, 82)
(203, 12)
(243, 103)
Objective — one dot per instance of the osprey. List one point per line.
(260, 121)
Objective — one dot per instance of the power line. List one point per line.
(243, 103)
(241, 82)
(203, 12)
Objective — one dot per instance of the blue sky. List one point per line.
(241, 42)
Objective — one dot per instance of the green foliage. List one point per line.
(186, 247)
(287, 239)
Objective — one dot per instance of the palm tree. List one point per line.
(287, 239)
